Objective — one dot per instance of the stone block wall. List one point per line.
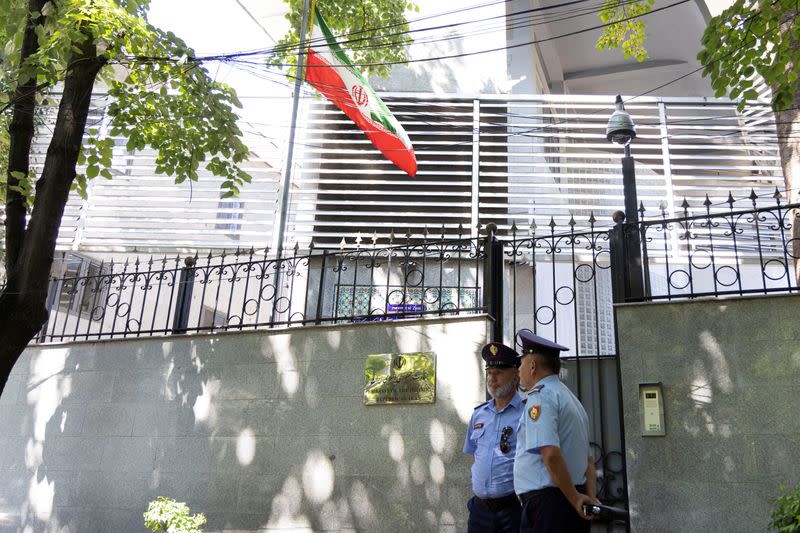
(730, 370)
(261, 431)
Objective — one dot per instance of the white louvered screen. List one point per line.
(489, 158)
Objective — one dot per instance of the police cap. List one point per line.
(499, 355)
(532, 343)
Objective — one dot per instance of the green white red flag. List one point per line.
(330, 71)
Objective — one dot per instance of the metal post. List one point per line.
(632, 245)
(321, 288)
(626, 261)
(493, 281)
(476, 165)
(283, 199)
(629, 187)
(183, 300)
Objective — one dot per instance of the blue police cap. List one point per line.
(534, 343)
(497, 354)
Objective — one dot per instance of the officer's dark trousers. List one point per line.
(482, 519)
(548, 511)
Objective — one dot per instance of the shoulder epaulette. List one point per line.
(481, 405)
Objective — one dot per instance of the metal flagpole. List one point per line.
(283, 200)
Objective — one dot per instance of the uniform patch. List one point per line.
(479, 425)
(493, 349)
(535, 411)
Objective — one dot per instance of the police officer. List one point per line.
(491, 439)
(554, 473)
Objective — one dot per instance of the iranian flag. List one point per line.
(330, 72)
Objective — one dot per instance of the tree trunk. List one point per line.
(788, 130)
(23, 310)
(788, 126)
(21, 132)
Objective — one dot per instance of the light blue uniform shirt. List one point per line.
(560, 421)
(493, 470)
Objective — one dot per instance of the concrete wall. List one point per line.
(262, 431)
(731, 379)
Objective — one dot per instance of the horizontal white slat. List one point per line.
(538, 156)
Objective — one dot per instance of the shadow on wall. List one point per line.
(730, 376)
(260, 431)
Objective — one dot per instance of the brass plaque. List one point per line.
(396, 378)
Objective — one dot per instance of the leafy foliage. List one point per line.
(168, 516)
(753, 38)
(786, 512)
(627, 35)
(161, 98)
(381, 27)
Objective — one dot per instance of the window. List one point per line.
(595, 313)
(230, 210)
(82, 286)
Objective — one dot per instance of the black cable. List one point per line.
(236, 56)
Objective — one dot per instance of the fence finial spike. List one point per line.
(533, 226)
(342, 244)
(460, 228)
(707, 202)
(552, 223)
(777, 195)
(571, 220)
(730, 199)
(753, 196)
(685, 204)
(443, 231)
(391, 236)
(209, 256)
(592, 220)
(514, 227)
(374, 237)
(662, 205)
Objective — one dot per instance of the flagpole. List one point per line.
(283, 200)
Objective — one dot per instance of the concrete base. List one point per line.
(261, 431)
(730, 371)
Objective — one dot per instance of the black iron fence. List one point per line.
(249, 289)
(728, 248)
(559, 282)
